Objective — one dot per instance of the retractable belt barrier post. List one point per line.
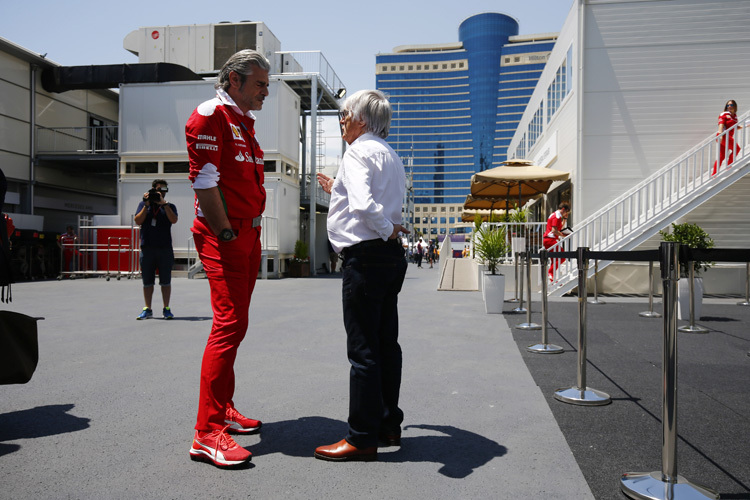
(528, 325)
(596, 300)
(692, 327)
(544, 347)
(520, 309)
(746, 302)
(515, 266)
(666, 484)
(650, 313)
(581, 394)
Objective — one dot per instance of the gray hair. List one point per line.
(241, 63)
(371, 107)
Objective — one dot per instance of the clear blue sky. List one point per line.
(348, 33)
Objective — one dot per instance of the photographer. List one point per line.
(156, 216)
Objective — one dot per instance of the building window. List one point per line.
(142, 167)
(385, 68)
(416, 209)
(400, 68)
(453, 65)
(445, 66)
(176, 167)
(393, 68)
(434, 66)
(442, 209)
(507, 60)
(419, 67)
(460, 65)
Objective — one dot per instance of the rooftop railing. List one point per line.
(77, 140)
(312, 62)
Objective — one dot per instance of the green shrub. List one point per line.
(693, 236)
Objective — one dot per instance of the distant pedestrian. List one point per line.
(67, 243)
(419, 252)
(728, 148)
(553, 234)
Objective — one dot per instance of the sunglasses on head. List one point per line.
(344, 113)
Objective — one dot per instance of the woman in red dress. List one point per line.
(727, 120)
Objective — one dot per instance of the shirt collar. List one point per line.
(225, 99)
(367, 136)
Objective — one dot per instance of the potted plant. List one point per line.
(481, 268)
(491, 246)
(692, 236)
(299, 266)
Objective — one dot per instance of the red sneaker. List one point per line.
(218, 447)
(237, 423)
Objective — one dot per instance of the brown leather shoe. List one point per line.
(344, 452)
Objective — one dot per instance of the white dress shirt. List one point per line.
(367, 195)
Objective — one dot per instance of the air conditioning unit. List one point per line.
(204, 48)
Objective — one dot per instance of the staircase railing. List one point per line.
(636, 215)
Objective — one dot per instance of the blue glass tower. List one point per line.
(457, 105)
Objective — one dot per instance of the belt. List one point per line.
(254, 222)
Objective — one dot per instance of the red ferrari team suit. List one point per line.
(224, 153)
(727, 144)
(554, 221)
(67, 242)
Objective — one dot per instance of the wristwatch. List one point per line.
(226, 234)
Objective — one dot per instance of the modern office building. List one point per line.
(456, 107)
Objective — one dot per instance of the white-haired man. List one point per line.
(364, 222)
(226, 169)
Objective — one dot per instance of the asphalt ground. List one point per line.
(110, 411)
(624, 354)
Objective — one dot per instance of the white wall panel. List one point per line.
(14, 70)
(14, 136)
(15, 102)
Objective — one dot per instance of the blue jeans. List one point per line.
(153, 259)
(373, 273)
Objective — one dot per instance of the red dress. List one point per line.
(727, 144)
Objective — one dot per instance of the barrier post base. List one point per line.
(529, 326)
(545, 349)
(596, 302)
(583, 397)
(518, 310)
(693, 329)
(650, 485)
(743, 303)
(513, 300)
(649, 314)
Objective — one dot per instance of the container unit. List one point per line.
(204, 48)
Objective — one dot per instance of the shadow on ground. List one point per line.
(37, 422)
(460, 452)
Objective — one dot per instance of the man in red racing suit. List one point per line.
(226, 169)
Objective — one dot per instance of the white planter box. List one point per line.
(683, 298)
(481, 269)
(494, 293)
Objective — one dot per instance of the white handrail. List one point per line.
(621, 221)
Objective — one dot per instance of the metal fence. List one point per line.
(81, 140)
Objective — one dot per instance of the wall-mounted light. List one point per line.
(340, 93)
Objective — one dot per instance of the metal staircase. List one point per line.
(665, 196)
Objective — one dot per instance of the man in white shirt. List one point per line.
(364, 222)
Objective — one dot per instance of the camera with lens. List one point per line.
(154, 196)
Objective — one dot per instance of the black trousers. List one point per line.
(373, 274)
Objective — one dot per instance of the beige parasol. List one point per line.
(516, 180)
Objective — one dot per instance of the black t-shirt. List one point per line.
(156, 234)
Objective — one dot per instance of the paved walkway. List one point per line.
(110, 410)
